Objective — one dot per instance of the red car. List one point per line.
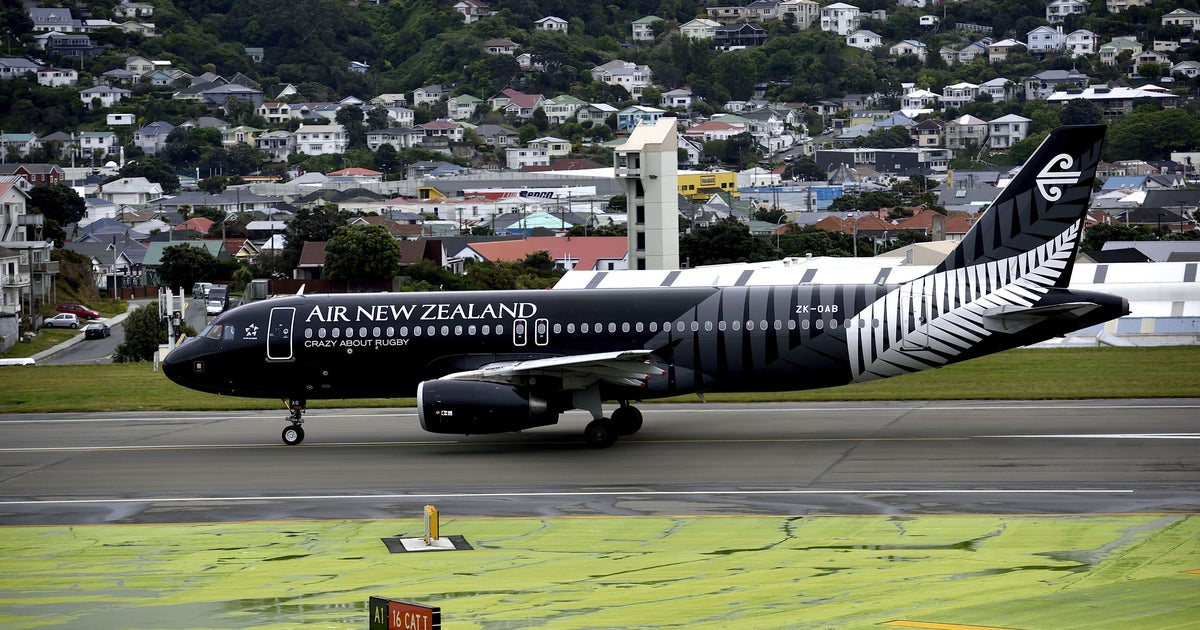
(78, 309)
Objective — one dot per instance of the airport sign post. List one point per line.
(391, 614)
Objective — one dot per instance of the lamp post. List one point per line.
(777, 225)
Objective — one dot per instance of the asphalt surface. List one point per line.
(1002, 457)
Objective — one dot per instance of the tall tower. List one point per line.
(647, 164)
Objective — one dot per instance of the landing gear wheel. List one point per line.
(600, 433)
(627, 419)
(293, 435)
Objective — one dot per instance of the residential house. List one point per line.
(473, 10)
(1149, 56)
(139, 65)
(277, 145)
(965, 54)
(401, 116)
(864, 39)
(429, 94)
(119, 76)
(1182, 17)
(634, 115)
(1045, 39)
(240, 135)
(596, 113)
(321, 139)
(528, 63)
(680, 98)
(26, 270)
(762, 10)
(631, 76)
(1117, 101)
(840, 18)
(57, 77)
(555, 147)
(34, 174)
(919, 99)
(517, 157)
(1120, 6)
(1007, 130)
(927, 133)
(715, 130)
(277, 113)
(966, 132)
(462, 107)
(1082, 42)
(502, 46)
(98, 143)
(1058, 10)
(909, 47)
(959, 94)
(552, 23)
(561, 108)
(518, 105)
(726, 13)
(928, 21)
(803, 13)
(1000, 89)
(699, 28)
(102, 96)
(220, 96)
(390, 100)
(498, 136)
(67, 44)
(135, 10)
(153, 137)
(57, 19)
(736, 36)
(643, 28)
(448, 129)
(17, 67)
(130, 191)
(998, 51)
(1043, 84)
(1108, 52)
(1189, 69)
(400, 138)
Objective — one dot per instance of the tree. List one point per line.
(310, 224)
(155, 170)
(1080, 111)
(1096, 236)
(145, 331)
(183, 265)
(366, 253)
(57, 203)
(725, 241)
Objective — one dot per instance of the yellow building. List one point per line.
(700, 185)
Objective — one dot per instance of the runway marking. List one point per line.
(606, 493)
(933, 625)
(1106, 436)
(199, 447)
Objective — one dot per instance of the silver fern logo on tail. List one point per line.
(1051, 183)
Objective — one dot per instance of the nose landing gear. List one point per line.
(294, 434)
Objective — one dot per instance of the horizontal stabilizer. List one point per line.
(1014, 318)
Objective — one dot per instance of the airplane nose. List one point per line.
(180, 364)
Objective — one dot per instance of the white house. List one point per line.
(462, 107)
(106, 94)
(555, 147)
(553, 24)
(1045, 39)
(864, 39)
(1058, 10)
(130, 191)
(959, 94)
(629, 75)
(803, 13)
(321, 139)
(840, 18)
(679, 98)
(643, 28)
(1109, 52)
(429, 94)
(699, 28)
(965, 131)
(561, 108)
(919, 99)
(909, 47)
(1082, 42)
(102, 143)
(1003, 132)
(57, 77)
(1000, 89)
(998, 51)
(516, 157)
(1182, 17)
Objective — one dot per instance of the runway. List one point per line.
(1001, 457)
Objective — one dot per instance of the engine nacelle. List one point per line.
(467, 407)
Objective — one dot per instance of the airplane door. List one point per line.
(279, 333)
(541, 332)
(520, 332)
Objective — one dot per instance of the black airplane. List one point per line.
(497, 361)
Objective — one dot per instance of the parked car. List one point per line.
(200, 290)
(82, 311)
(96, 330)
(62, 320)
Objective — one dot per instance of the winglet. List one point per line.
(1047, 197)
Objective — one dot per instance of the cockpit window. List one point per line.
(213, 331)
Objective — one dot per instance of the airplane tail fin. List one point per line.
(1047, 198)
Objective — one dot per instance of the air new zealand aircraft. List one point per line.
(496, 361)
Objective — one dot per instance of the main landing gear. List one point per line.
(603, 432)
(294, 434)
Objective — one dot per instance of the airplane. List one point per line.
(497, 361)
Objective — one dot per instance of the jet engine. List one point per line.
(467, 407)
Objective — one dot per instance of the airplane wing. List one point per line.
(630, 368)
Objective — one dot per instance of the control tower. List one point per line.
(648, 165)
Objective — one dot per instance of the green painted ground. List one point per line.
(1019, 572)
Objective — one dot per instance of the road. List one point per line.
(1064, 457)
(93, 351)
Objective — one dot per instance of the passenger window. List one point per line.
(791, 324)
(708, 326)
(750, 325)
(612, 327)
(695, 326)
(308, 333)
(499, 329)
(653, 327)
(624, 327)
(320, 333)
(557, 328)
(391, 332)
(350, 331)
(362, 332)
(833, 324)
(471, 330)
(639, 326)
(335, 332)
(737, 325)
(445, 331)
(487, 330)
(762, 324)
(458, 330)
(721, 325)
(571, 328)
(584, 328)
(679, 326)
(416, 331)
(820, 324)
(375, 331)
(404, 331)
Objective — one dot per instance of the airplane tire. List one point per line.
(600, 433)
(628, 420)
(293, 435)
